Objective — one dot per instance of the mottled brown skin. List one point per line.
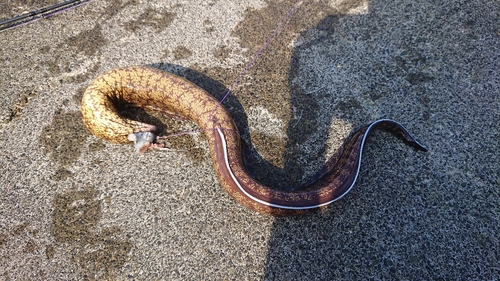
(155, 89)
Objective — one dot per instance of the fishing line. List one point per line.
(244, 72)
(251, 63)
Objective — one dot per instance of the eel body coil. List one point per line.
(147, 87)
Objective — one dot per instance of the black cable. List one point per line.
(41, 13)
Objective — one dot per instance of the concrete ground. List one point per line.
(74, 207)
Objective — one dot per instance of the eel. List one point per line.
(151, 88)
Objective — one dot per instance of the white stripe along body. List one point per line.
(152, 88)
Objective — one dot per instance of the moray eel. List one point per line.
(152, 88)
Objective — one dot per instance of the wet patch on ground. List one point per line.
(98, 253)
(17, 108)
(61, 174)
(63, 140)
(88, 43)
(158, 20)
(222, 53)
(181, 52)
(20, 242)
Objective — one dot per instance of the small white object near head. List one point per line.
(142, 140)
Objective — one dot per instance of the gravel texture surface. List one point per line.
(73, 207)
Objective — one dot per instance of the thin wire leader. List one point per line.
(251, 63)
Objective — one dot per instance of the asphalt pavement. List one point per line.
(74, 207)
